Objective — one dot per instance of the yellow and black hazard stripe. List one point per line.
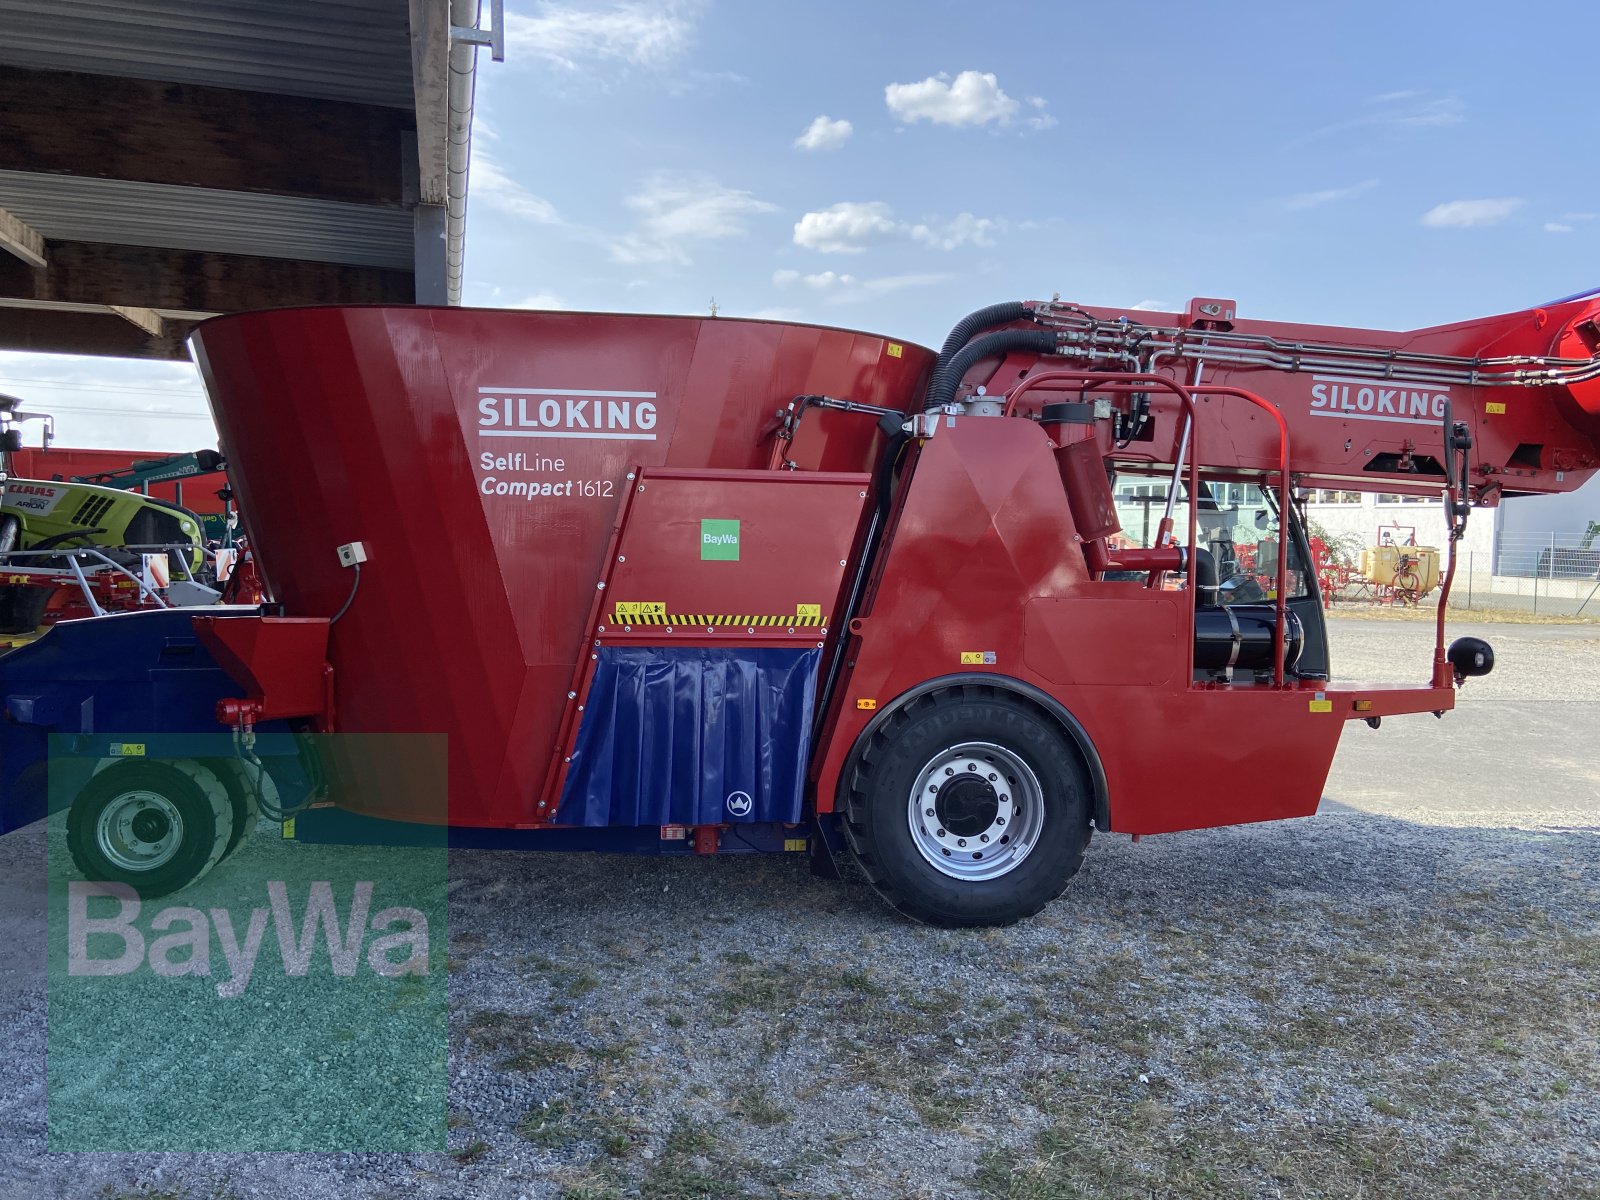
(713, 620)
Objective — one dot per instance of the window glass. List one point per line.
(1238, 525)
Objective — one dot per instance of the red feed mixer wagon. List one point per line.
(672, 584)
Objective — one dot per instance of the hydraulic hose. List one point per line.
(969, 327)
(943, 390)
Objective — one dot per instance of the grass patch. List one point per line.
(756, 1105)
(472, 1152)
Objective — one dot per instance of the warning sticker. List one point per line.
(808, 610)
(1495, 408)
(628, 611)
(656, 614)
(895, 350)
(977, 658)
(1321, 704)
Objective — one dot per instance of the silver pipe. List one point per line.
(1086, 337)
(458, 134)
(1183, 446)
(83, 586)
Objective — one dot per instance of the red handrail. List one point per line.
(1279, 633)
(1116, 381)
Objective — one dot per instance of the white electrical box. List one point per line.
(352, 553)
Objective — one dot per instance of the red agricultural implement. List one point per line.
(671, 584)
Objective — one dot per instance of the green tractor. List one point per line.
(37, 516)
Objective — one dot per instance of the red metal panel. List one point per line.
(676, 575)
(278, 660)
(985, 525)
(402, 428)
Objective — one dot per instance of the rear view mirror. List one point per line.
(11, 441)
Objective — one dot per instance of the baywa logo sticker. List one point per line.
(740, 804)
(719, 540)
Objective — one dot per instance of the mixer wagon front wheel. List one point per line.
(156, 826)
(969, 807)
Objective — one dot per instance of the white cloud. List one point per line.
(847, 228)
(851, 289)
(545, 300)
(1470, 214)
(491, 185)
(1040, 118)
(960, 231)
(971, 98)
(1152, 306)
(1416, 110)
(852, 226)
(825, 134)
(678, 211)
(574, 37)
(105, 403)
(1304, 200)
(1569, 222)
(1399, 111)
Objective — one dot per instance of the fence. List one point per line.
(1551, 574)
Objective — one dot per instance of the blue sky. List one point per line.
(1385, 165)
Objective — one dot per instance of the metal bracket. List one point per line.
(494, 38)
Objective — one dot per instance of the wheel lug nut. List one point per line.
(983, 837)
(941, 833)
(929, 812)
(993, 777)
(999, 820)
(961, 841)
(949, 770)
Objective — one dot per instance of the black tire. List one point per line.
(985, 734)
(150, 795)
(239, 780)
(22, 607)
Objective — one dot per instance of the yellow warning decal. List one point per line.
(793, 844)
(895, 350)
(866, 705)
(288, 829)
(657, 615)
(1495, 408)
(1322, 706)
(808, 610)
(127, 749)
(634, 610)
(977, 658)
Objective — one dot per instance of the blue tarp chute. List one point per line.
(693, 736)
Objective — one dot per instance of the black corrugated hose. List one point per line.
(943, 389)
(968, 327)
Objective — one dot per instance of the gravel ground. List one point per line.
(1398, 997)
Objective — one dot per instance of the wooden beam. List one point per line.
(430, 75)
(56, 332)
(195, 281)
(62, 122)
(21, 239)
(146, 319)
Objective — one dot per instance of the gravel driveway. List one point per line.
(1398, 997)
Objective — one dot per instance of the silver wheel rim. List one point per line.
(975, 811)
(139, 830)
